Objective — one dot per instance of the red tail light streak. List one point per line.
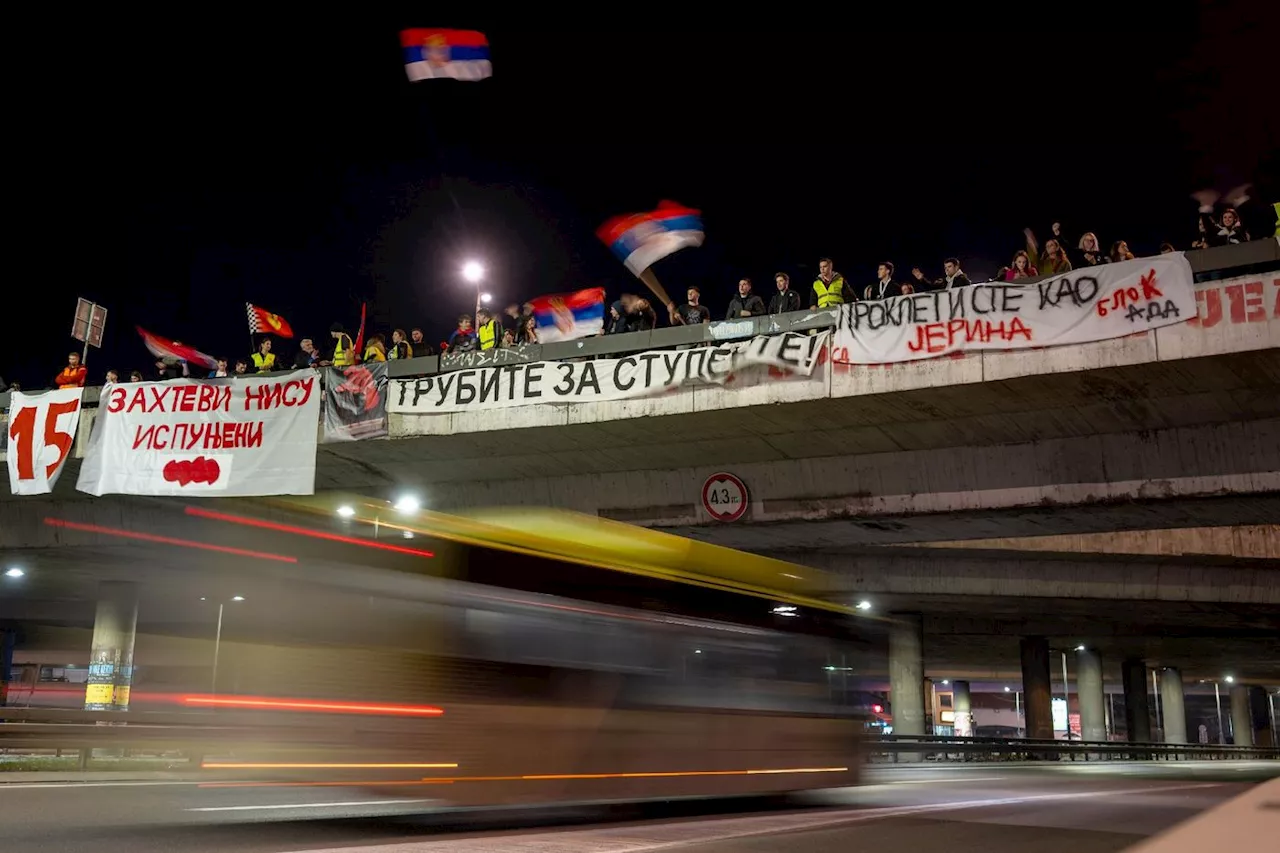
(167, 540)
(302, 531)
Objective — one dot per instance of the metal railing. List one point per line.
(944, 748)
(1250, 258)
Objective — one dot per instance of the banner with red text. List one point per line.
(41, 432)
(212, 438)
(1094, 304)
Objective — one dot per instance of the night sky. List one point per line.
(297, 167)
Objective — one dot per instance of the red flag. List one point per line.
(165, 348)
(263, 322)
(364, 307)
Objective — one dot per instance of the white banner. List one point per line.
(42, 432)
(213, 437)
(1094, 304)
(601, 380)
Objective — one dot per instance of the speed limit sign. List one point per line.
(724, 497)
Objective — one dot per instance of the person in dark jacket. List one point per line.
(786, 299)
(745, 304)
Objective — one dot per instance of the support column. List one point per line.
(7, 640)
(1241, 716)
(906, 675)
(962, 706)
(1037, 689)
(1260, 714)
(1175, 710)
(1137, 713)
(111, 658)
(1093, 702)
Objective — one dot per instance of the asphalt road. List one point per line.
(988, 808)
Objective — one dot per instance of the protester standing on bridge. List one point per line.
(1054, 260)
(745, 304)
(785, 300)
(829, 288)
(74, 374)
(264, 360)
(885, 287)
(1089, 251)
(307, 355)
(692, 312)
(1020, 267)
(344, 354)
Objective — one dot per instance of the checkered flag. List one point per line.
(263, 322)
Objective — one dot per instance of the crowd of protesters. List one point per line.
(517, 326)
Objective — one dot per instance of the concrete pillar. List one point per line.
(1137, 712)
(1093, 701)
(1036, 686)
(111, 658)
(1175, 709)
(906, 673)
(1260, 714)
(1241, 716)
(7, 640)
(962, 706)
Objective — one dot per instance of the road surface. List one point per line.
(987, 809)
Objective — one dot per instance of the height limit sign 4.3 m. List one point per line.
(724, 497)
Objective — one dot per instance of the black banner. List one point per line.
(355, 402)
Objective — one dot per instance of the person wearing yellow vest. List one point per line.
(376, 350)
(829, 288)
(264, 360)
(343, 350)
(400, 346)
(489, 330)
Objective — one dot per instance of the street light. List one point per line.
(473, 272)
(1217, 701)
(864, 605)
(217, 643)
(346, 511)
(14, 572)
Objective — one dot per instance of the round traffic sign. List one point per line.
(724, 497)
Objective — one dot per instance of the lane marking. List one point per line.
(705, 832)
(306, 805)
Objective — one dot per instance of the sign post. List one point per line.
(88, 326)
(724, 497)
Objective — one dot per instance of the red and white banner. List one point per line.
(1094, 304)
(42, 432)
(216, 438)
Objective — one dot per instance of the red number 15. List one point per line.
(22, 431)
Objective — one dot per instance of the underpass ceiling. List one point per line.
(1099, 518)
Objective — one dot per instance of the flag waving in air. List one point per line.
(433, 54)
(263, 322)
(567, 316)
(640, 240)
(165, 348)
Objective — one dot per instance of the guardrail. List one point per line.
(35, 731)
(942, 748)
(1207, 264)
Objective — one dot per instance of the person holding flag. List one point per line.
(640, 240)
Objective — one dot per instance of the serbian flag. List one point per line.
(445, 55)
(263, 322)
(640, 240)
(567, 316)
(165, 348)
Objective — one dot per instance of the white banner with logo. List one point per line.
(1093, 304)
(601, 380)
(41, 433)
(213, 438)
